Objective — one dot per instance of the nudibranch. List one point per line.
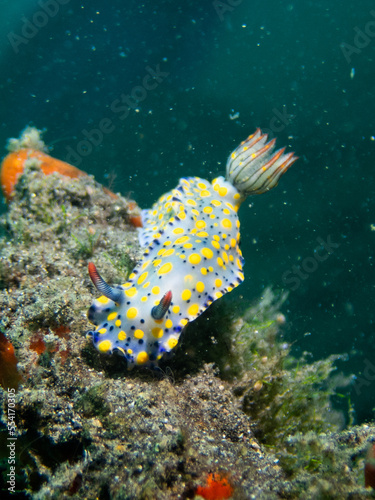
(192, 256)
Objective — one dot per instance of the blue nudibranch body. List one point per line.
(192, 256)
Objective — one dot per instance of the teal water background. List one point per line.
(304, 71)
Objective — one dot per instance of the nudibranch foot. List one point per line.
(192, 257)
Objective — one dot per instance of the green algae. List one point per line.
(92, 403)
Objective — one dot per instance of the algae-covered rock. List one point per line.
(85, 427)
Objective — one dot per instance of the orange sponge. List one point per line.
(30, 146)
(14, 164)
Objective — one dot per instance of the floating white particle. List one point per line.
(234, 115)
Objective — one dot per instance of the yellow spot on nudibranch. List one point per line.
(165, 268)
(207, 252)
(131, 292)
(176, 309)
(142, 277)
(103, 300)
(215, 244)
(199, 286)
(186, 294)
(121, 335)
(193, 310)
(157, 332)
(223, 191)
(169, 252)
(118, 323)
(172, 342)
(181, 240)
(132, 312)
(111, 316)
(168, 323)
(218, 283)
(142, 358)
(102, 331)
(207, 210)
(200, 224)
(104, 346)
(226, 223)
(184, 322)
(204, 193)
(138, 334)
(155, 290)
(194, 259)
(178, 230)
